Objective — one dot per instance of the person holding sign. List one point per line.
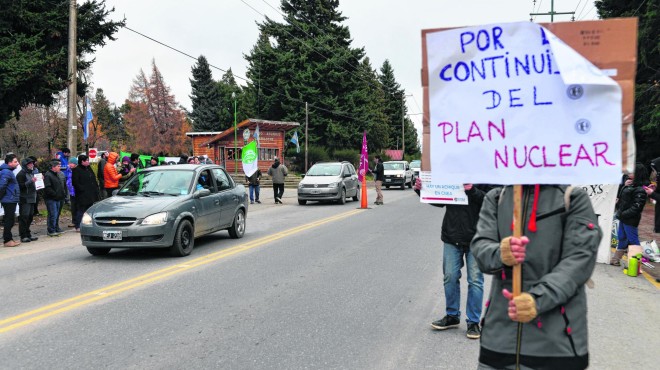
(28, 199)
(458, 227)
(545, 327)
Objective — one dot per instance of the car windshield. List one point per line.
(415, 164)
(154, 183)
(324, 170)
(392, 166)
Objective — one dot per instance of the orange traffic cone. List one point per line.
(364, 202)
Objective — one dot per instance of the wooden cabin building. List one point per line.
(221, 148)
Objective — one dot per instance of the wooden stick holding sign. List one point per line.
(517, 233)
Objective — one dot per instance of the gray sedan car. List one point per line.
(166, 207)
(329, 181)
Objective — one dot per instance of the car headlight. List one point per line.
(301, 185)
(86, 219)
(333, 184)
(399, 175)
(155, 219)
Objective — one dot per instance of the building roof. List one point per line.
(200, 133)
(395, 155)
(251, 123)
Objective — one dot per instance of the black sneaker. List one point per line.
(473, 331)
(446, 322)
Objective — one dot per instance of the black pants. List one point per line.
(80, 211)
(278, 191)
(25, 216)
(8, 220)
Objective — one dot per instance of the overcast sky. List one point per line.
(224, 30)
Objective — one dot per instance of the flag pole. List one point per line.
(517, 233)
(364, 203)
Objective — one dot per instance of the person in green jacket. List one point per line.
(545, 327)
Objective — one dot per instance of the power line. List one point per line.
(337, 113)
(582, 10)
(589, 12)
(537, 9)
(638, 8)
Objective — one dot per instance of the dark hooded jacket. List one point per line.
(631, 203)
(560, 258)
(55, 186)
(84, 182)
(26, 185)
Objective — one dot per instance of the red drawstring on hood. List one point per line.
(532, 217)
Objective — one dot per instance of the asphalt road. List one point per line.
(308, 287)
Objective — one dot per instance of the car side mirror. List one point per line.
(202, 193)
(114, 192)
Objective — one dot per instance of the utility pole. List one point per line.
(72, 122)
(403, 129)
(552, 12)
(306, 126)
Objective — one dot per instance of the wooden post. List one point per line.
(517, 233)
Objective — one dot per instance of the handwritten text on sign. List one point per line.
(513, 104)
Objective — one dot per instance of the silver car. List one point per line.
(166, 207)
(329, 181)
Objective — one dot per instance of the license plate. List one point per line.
(111, 235)
(388, 180)
(316, 192)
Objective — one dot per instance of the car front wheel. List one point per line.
(184, 240)
(237, 229)
(342, 197)
(98, 251)
(302, 202)
(357, 195)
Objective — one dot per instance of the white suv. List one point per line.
(398, 173)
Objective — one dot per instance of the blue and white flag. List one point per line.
(256, 136)
(88, 118)
(294, 140)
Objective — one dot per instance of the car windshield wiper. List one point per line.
(130, 193)
(148, 193)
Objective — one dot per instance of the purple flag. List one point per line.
(364, 159)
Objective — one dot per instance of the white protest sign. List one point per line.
(39, 184)
(513, 104)
(432, 192)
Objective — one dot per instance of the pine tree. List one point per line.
(204, 98)
(262, 98)
(33, 49)
(313, 62)
(647, 81)
(153, 120)
(368, 100)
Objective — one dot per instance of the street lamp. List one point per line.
(233, 96)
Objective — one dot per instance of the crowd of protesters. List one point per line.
(65, 181)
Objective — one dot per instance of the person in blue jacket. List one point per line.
(9, 197)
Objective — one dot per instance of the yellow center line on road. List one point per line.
(69, 304)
